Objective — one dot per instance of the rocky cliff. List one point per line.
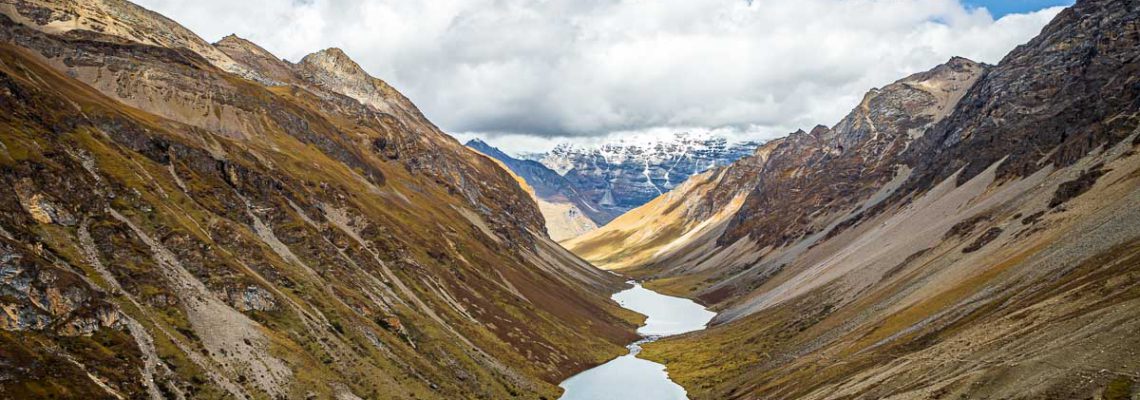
(969, 232)
(181, 219)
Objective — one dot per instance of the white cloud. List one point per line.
(589, 68)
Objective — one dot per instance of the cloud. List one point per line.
(589, 68)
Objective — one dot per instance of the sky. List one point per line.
(528, 74)
(1000, 8)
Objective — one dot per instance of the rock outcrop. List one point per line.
(332, 69)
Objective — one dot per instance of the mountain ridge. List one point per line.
(172, 226)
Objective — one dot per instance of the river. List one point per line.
(628, 377)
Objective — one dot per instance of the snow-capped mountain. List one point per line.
(624, 174)
(567, 212)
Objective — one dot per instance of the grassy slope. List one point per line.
(349, 342)
(1025, 323)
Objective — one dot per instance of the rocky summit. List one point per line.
(972, 231)
(180, 219)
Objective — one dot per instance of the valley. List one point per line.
(965, 232)
(182, 219)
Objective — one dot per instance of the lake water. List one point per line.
(631, 378)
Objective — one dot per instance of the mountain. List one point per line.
(789, 174)
(567, 212)
(180, 219)
(972, 231)
(622, 175)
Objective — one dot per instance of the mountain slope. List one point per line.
(966, 232)
(567, 212)
(792, 177)
(173, 224)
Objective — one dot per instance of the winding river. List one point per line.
(628, 377)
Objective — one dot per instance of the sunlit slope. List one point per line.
(681, 229)
(665, 225)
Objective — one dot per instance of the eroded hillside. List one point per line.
(181, 219)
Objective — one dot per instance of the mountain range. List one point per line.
(582, 187)
(190, 220)
(972, 231)
(181, 219)
(567, 211)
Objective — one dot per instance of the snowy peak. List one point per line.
(627, 173)
(713, 149)
(566, 211)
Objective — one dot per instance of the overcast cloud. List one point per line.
(524, 71)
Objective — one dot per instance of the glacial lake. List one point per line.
(628, 377)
